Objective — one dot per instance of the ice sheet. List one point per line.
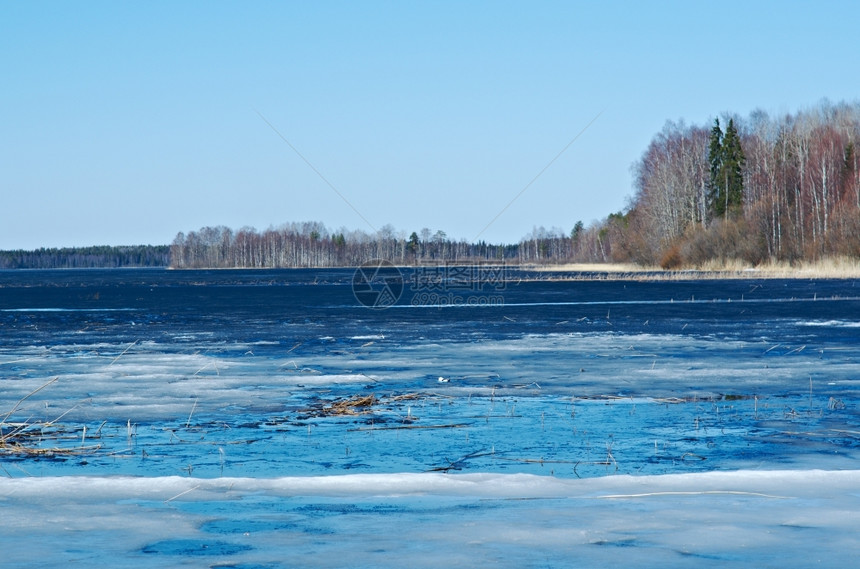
(762, 519)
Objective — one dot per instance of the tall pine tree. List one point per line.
(726, 158)
(733, 164)
(716, 204)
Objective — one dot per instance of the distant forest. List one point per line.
(310, 244)
(755, 190)
(87, 257)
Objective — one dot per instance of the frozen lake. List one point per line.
(158, 418)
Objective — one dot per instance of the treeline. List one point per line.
(311, 244)
(87, 257)
(307, 244)
(753, 189)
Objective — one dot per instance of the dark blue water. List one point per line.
(290, 306)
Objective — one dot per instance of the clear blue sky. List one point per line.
(126, 122)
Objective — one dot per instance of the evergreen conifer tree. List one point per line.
(716, 205)
(733, 165)
(726, 159)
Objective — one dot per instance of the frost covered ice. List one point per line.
(755, 519)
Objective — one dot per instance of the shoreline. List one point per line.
(846, 268)
(841, 268)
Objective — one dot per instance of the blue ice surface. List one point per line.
(210, 374)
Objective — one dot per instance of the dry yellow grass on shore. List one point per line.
(830, 268)
(595, 268)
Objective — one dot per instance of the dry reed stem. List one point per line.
(18, 449)
(122, 353)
